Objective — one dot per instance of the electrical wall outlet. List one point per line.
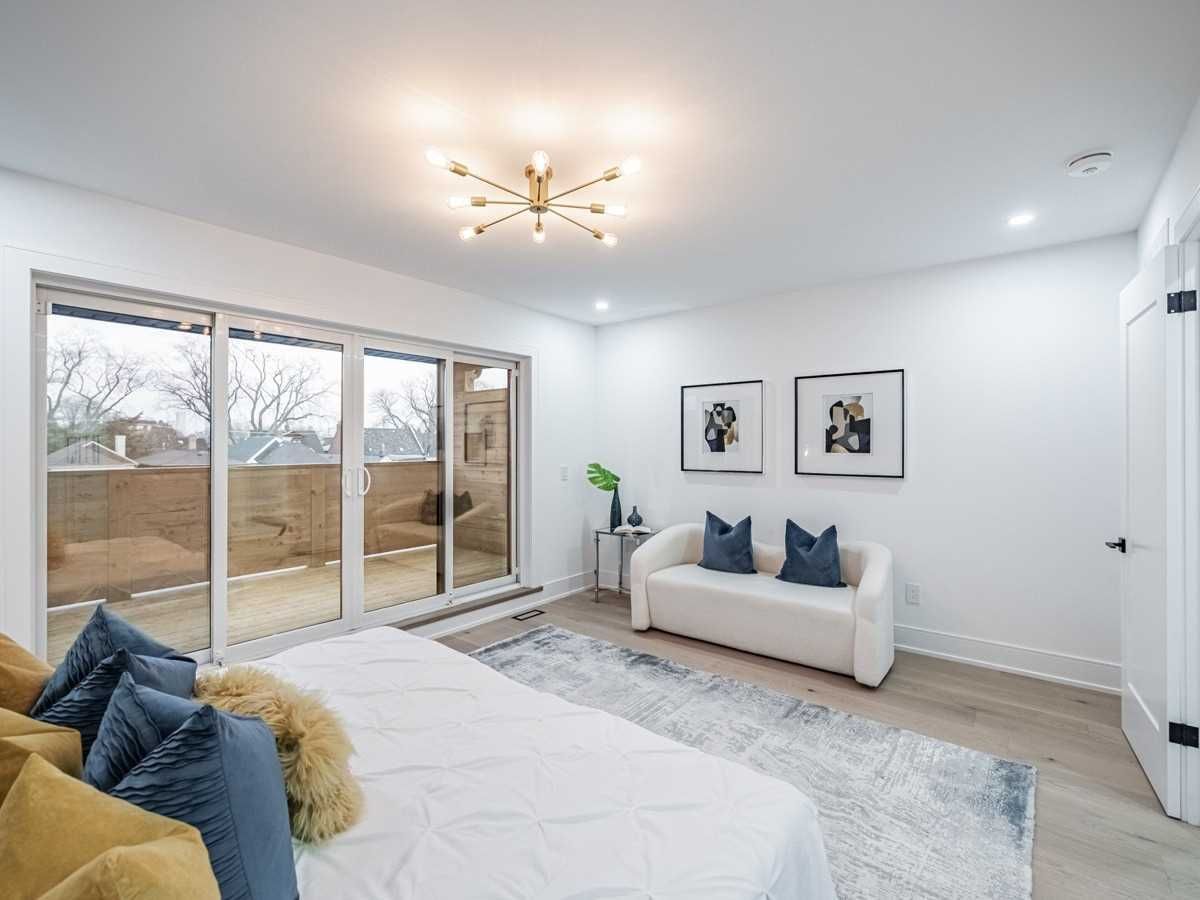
(912, 594)
(562, 473)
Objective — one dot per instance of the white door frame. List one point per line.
(1181, 466)
(1188, 701)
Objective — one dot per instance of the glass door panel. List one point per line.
(482, 473)
(403, 543)
(128, 475)
(285, 482)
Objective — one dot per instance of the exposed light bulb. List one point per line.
(467, 232)
(1021, 218)
(614, 209)
(540, 161)
(458, 202)
(436, 157)
(539, 233)
(631, 166)
(601, 305)
(609, 239)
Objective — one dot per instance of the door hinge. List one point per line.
(1181, 302)
(1187, 735)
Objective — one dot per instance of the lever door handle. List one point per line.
(1118, 544)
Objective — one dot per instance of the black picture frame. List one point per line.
(796, 424)
(761, 426)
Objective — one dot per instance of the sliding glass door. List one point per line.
(402, 450)
(347, 480)
(285, 477)
(483, 464)
(127, 431)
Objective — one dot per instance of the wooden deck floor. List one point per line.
(1100, 831)
(272, 604)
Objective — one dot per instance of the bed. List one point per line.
(479, 787)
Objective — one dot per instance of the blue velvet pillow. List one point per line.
(727, 548)
(83, 706)
(220, 773)
(103, 635)
(137, 720)
(811, 560)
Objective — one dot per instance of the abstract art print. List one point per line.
(721, 427)
(850, 423)
(847, 423)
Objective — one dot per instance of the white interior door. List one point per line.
(1151, 664)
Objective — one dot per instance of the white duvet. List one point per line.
(479, 787)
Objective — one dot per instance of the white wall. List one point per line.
(137, 245)
(1012, 377)
(1179, 187)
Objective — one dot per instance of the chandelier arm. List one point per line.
(574, 189)
(586, 206)
(498, 187)
(509, 216)
(572, 221)
(507, 203)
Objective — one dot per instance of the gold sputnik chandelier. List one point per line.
(539, 201)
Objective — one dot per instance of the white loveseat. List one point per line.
(846, 630)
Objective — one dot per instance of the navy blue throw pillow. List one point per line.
(727, 548)
(103, 635)
(137, 720)
(220, 773)
(811, 560)
(83, 706)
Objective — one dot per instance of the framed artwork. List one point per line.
(851, 423)
(721, 427)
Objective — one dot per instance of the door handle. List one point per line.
(364, 485)
(1118, 544)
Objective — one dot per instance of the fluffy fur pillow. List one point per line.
(324, 799)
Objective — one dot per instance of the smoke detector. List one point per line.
(1089, 164)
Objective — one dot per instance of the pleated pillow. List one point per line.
(215, 771)
(84, 704)
(104, 634)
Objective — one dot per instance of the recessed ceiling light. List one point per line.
(601, 305)
(1022, 218)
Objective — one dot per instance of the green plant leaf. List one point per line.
(602, 477)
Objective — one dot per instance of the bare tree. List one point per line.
(273, 394)
(87, 382)
(267, 393)
(189, 386)
(413, 408)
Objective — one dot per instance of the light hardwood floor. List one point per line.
(1100, 831)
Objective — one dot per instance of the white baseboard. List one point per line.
(472, 618)
(608, 579)
(1063, 668)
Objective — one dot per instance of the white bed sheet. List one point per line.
(479, 787)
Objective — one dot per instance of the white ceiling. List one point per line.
(784, 144)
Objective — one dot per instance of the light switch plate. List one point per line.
(912, 594)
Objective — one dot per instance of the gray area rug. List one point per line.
(903, 815)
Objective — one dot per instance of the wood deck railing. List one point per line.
(113, 533)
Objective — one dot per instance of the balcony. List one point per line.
(137, 540)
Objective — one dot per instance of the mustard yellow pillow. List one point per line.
(110, 849)
(22, 676)
(21, 737)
